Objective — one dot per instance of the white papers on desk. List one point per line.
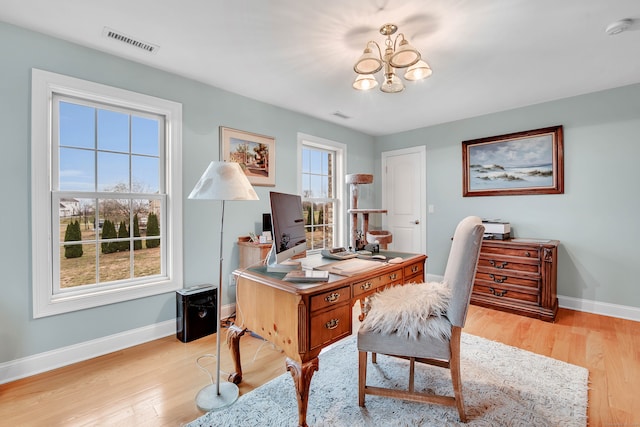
(351, 267)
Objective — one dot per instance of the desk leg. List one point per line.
(302, 379)
(233, 339)
(363, 308)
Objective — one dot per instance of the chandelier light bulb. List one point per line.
(392, 84)
(418, 71)
(365, 82)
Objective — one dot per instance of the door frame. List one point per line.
(421, 151)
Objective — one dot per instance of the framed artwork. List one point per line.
(255, 153)
(530, 162)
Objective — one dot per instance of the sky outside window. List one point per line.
(123, 145)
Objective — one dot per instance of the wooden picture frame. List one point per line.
(530, 162)
(255, 154)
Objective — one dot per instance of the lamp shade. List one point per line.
(405, 56)
(368, 63)
(418, 71)
(223, 181)
(365, 82)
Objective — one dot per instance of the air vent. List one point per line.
(341, 115)
(116, 35)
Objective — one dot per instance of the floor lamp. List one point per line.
(221, 181)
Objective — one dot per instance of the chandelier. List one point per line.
(402, 55)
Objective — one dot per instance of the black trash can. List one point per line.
(196, 309)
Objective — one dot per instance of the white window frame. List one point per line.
(46, 302)
(340, 150)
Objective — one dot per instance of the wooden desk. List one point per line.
(303, 318)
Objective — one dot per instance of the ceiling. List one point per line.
(486, 55)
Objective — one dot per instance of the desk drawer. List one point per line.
(413, 270)
(392, 278)
(365, 286)
(330, 325)
(331, 298)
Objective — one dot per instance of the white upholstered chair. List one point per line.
(438, 350)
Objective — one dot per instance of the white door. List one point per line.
(404, 197)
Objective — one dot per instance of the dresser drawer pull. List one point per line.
(495, 279)
(393, 276)
(498, 265)
(415, 269)
(527, 253)
(332, 324)
(366, 286)
(498, 293)
(332, 297)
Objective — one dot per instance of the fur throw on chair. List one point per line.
(410, 310)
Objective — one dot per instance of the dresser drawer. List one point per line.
(505, 293)
(531, 265)
(498, 277)
(365, 286)
(330, 325)
(526, 252)
(331, 298)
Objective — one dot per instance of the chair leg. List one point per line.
(454, 365)
(362, 376)
(412, 370)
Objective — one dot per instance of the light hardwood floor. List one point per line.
(154, 384)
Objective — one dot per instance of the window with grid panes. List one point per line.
(321, 162)
(105, 185)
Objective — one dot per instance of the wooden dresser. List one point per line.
(518, 276)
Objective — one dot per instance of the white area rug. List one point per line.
(502, 386)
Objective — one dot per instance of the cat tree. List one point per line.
(374, 236)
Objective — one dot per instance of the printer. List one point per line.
(496, 229)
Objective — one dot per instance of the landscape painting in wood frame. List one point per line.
(255, 154)
(530, 162)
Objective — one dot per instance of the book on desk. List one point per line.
(307, 276)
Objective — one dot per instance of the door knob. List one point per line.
(417, 221)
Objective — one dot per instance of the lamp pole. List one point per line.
(221, 181)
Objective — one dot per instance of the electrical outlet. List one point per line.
(232, 280)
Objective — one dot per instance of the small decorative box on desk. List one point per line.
(518, 276)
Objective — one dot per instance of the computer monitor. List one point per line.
(289, 237)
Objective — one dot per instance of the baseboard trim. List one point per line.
(602, 308)
(584, 305)
(49, 360)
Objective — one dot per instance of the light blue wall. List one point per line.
(596, 219)
(204, 109)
